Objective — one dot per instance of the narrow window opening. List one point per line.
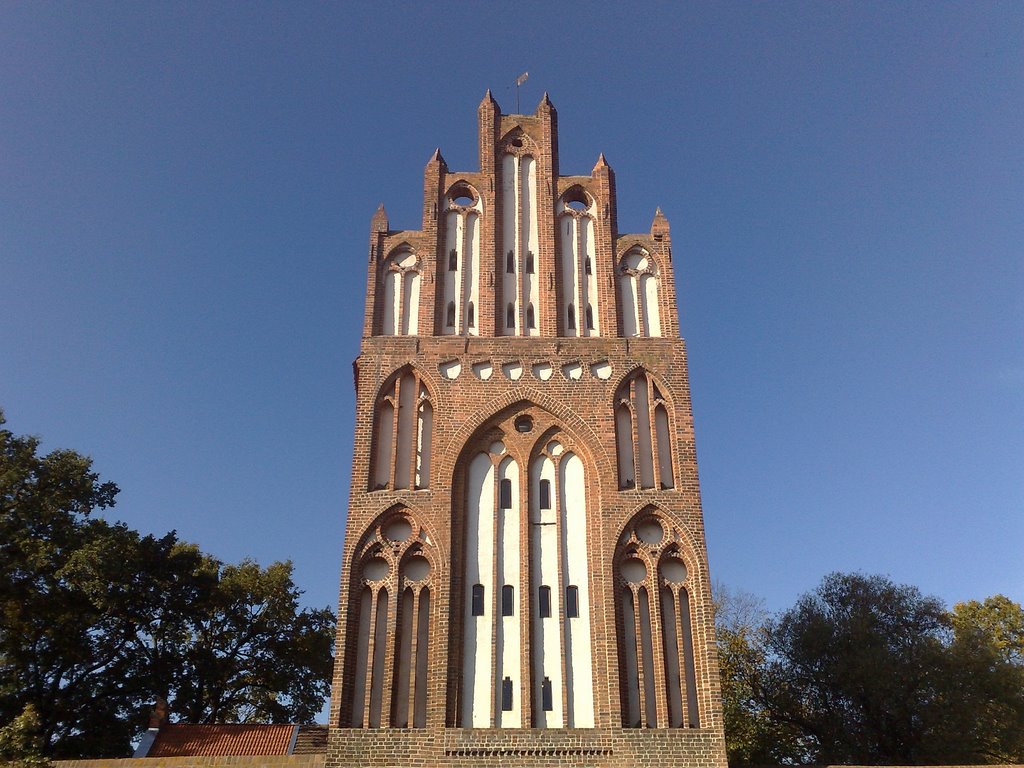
(508, 600)
(471, 315)
(572, 316)
(572, 602)
(529, 262)
(544, 603)
(450, 316)
(510, 262)
(505, 494)
(510, 317)
(531, 321)
(545, 494)
(545, 695)
(506, 695)
(453, 260)
(587, 267)
(590, 318)
(478, 599)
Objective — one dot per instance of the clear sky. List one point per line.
(186, 191)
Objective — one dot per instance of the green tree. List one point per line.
(20, 745)
(986, 688)
(98, 620)
(856, 667)
(752, 736)
(871, 672)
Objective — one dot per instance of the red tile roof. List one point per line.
(187, 740)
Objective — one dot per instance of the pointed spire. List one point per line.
(379, 222)
(436, 158)
(488, 101)
(660, 224)
(545, 103)
(601, 164)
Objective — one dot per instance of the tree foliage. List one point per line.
(865, 671)
(97, 620)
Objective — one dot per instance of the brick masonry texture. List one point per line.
(469, 412)
(259, 761)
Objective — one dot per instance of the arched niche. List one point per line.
(399, 291)
(403, 433)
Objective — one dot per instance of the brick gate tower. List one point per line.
(525, 576)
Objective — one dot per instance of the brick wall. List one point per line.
(469, 412)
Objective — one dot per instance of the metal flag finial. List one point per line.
(519, 81)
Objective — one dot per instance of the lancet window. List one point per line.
(403, 423)
(642, 434)
(463, 208)
(519, 234)
(638, 294)
(548, 502)
(393, 574)
(577, 214)
(657, 668)
(401, 293)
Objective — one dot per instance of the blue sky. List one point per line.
(186, 190)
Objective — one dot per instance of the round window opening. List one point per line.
(673, 570)
(634, 571)
(650, 532)
(515, 142)
(524, 423)
(576, 205)
(376, 569)
(397, 530)
(463, 200)
(417, 568)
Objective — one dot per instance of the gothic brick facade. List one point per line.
(525, 575)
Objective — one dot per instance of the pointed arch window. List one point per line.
(590, 318)
(574, 260)
(525, 538)
(510, 317)
(642, 434)
(390, 634)
(529, 262)
(400, 294)
(449, 317)
(460, 282)
(471, 315)
(531, 319)
(403, 426)
(658, 672)
(510, 262)
(638, 294)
